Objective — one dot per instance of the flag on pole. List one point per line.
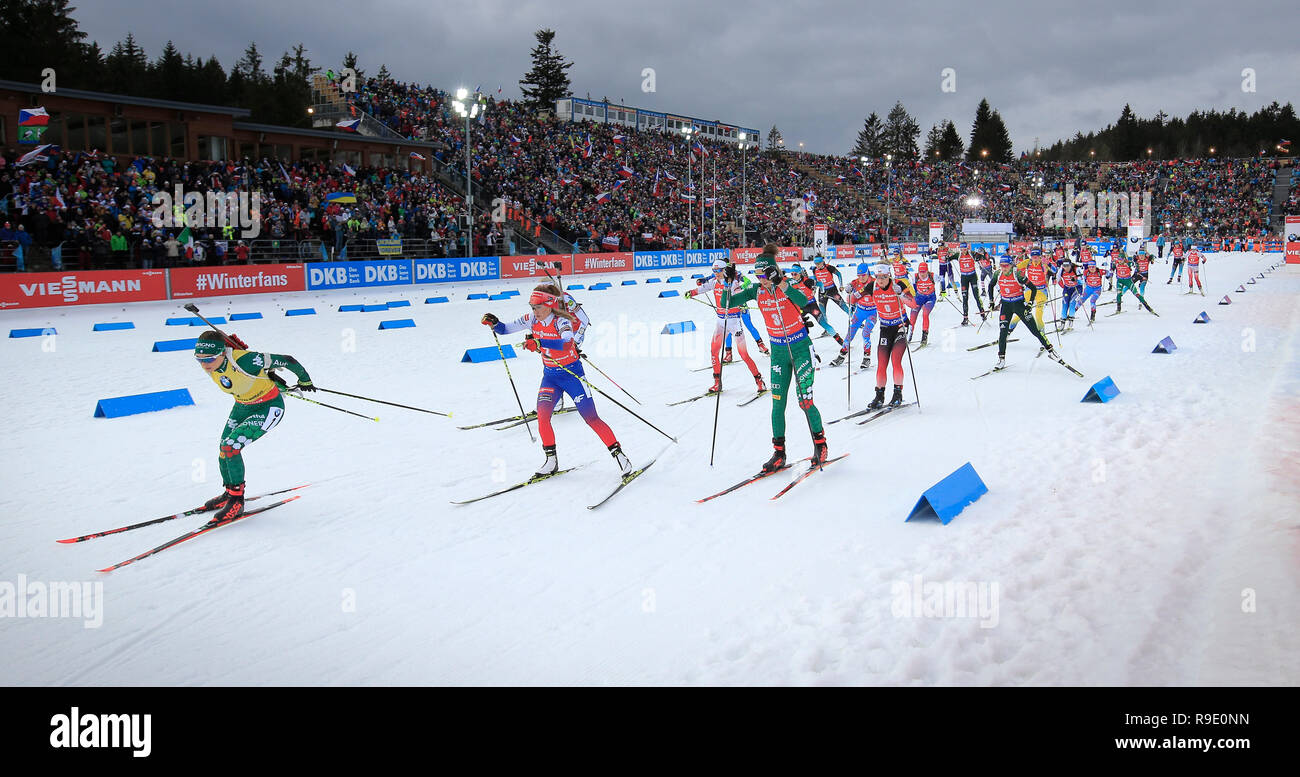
(586, 150)
(349, 125)
(618, 139)
(656, 189)
(33, 117)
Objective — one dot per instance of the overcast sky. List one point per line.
(814, 68)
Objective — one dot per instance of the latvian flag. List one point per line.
(618, 139)
(349, 125)
(33, 117)
(417, 155)
(603, 197)
(625, 171)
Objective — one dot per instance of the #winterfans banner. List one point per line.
(1292, 235)
(90, 287)
(936, 235)
(610, 262)
(189, 282)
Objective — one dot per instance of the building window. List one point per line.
(139, 137)
(158, 138)
(178, 140)
(213, 147)
(96, 134)
(117, 132)
(74, 127)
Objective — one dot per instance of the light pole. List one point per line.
(744, 191)
(889, 200)
(469, 112)
(864, 160)
(690, 207)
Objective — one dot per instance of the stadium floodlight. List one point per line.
(468, 112)
(310, 110)
(984, 152)
(973, 202)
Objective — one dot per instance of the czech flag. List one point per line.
(39, 154)
(618, 139)
(349, 125)
(668, 174)
(514, 141)
(33, 117)
(603, 197)
(625, 171)
(698, 148)
(348, 170)
(586, 150)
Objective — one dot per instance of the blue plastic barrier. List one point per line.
(698, 275)
(629, 282)
(674, 279)
(182, 321)
(654, 280)
(244, 316)
(196, 321)
(32, 332)
(301, 312)
(114, 326)
(1103, 391)
(488, 354)
(511, 292)
(116, 407)
(945, 499)
(434, 300)
(373, 308)
(351, 308)
(681, 327)
(401, 303)
(573, 286)
(477, 296)
(1225, 300)
(494, 297)
(669, 293)
(1204, 318)
(1165, 346)
(398, 323)
(175, 345)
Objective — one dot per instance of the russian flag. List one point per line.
(349, 125)
(618, 184)
(625, 171)
(33, 117)
(609, 240)
(417, 155)
(603, 197)
(514, 141)
(619, 139)
(708, 201)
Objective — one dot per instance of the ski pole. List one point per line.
(717, 405)
(382, 402)
(522, 414)
(290, 393)
(611, 380)
(615, 401)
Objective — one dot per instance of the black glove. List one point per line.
(490, 320)
(304, 385)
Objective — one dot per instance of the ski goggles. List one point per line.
(543, 298)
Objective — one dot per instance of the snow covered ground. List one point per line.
(1153, 540)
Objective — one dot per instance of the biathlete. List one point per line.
(1176, 253)
(1012, 284)
(864, 317)
(890, 296)
(781, 304)
(1036, 271)
(1194, 262)
(552, 335)
(923, 285)
(723, 287)
(246, 375)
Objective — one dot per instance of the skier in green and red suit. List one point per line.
(1012, 286)
(246, 375)
(782, 304)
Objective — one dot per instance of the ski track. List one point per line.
(1121, 537)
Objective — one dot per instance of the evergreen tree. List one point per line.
(350, 61)
(774, 139)
(950, 147)
(869, 138)
(933, 139)
(900, 133)
(1000, 148)
(35, 34)
(383, 74)
(547, 81)
(989, 134)
(171, 73)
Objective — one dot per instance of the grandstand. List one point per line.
(574, 109)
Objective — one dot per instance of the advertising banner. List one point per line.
(87, 287)
(594, 263)
(1292, 235)
(189, 282)
(704, 257)
(476, 268)
(659, 260)
(360, 274)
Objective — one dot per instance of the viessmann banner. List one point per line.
(88, 287)
(189, 282)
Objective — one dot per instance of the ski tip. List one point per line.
(70, 540)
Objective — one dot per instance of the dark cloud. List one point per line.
(815, 69)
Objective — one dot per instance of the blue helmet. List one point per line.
(1004, 259)
(864, 269)
(795, 268)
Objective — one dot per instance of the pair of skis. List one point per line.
(514, 420)
(623, 481)
(205, 528)
(762, 475)
(708, 394)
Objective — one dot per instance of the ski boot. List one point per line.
(820, 451)
(879, 401)
(726, 356)
(965, 321)
(1002, 362)
(925, 336)
(838, 360)
(759, 384)
(621, 459)
(866, 361)
(551, 465)
(217, 502)
(762, 347)
(233, 507)
(777, 462)
(1092, 317)
(897, 398)
(717, 383)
